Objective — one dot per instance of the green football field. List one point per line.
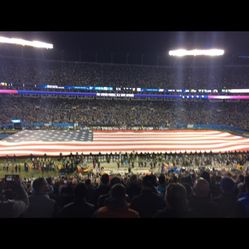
(110, 168)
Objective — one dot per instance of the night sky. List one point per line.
(150, 43)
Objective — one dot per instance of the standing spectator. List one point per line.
(90, 196)
(104, 198)
(162, 185)
(103, 187)
(201, 205)
(149, 201)
(117, 206)
(227, 201)
(41, 206)
(244, 200)
(66, 195)
(133, 187)
(79, 208)
(14, 206)
(176, 202)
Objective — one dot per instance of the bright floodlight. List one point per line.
(196, 52)
(17, 41)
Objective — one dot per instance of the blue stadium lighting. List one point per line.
(16, 121)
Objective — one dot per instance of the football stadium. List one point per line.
(88, 132)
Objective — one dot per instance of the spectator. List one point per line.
(103, 198)
(201, 204)
(133, 187)
(41, 206)
(205, 175)
(66, 195)
(162, 185)
(103, 187)
(244, 200)
(117, 206)
(13, 206)
(90, 196)
(80, 207)
(149, 201)
(227, 201)
(176, 202)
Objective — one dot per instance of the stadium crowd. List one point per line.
(201, 192)
(193, 185)
(122, 113)
(34, 71)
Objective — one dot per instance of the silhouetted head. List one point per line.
(88, 182)
(247, 183)
(227, 185)
(205, 175)
(115, 180)
(118, 192)
(162, 179)
(176, 196)
(40, 186)
(104, 179)
(80, 191)
(201, 188)
(149, 181)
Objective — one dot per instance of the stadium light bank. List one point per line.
(22, 42)
(196, 52)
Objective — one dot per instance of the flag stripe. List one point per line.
(127, 141)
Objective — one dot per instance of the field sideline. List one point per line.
(108, 168)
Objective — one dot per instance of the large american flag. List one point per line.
(53, 143)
